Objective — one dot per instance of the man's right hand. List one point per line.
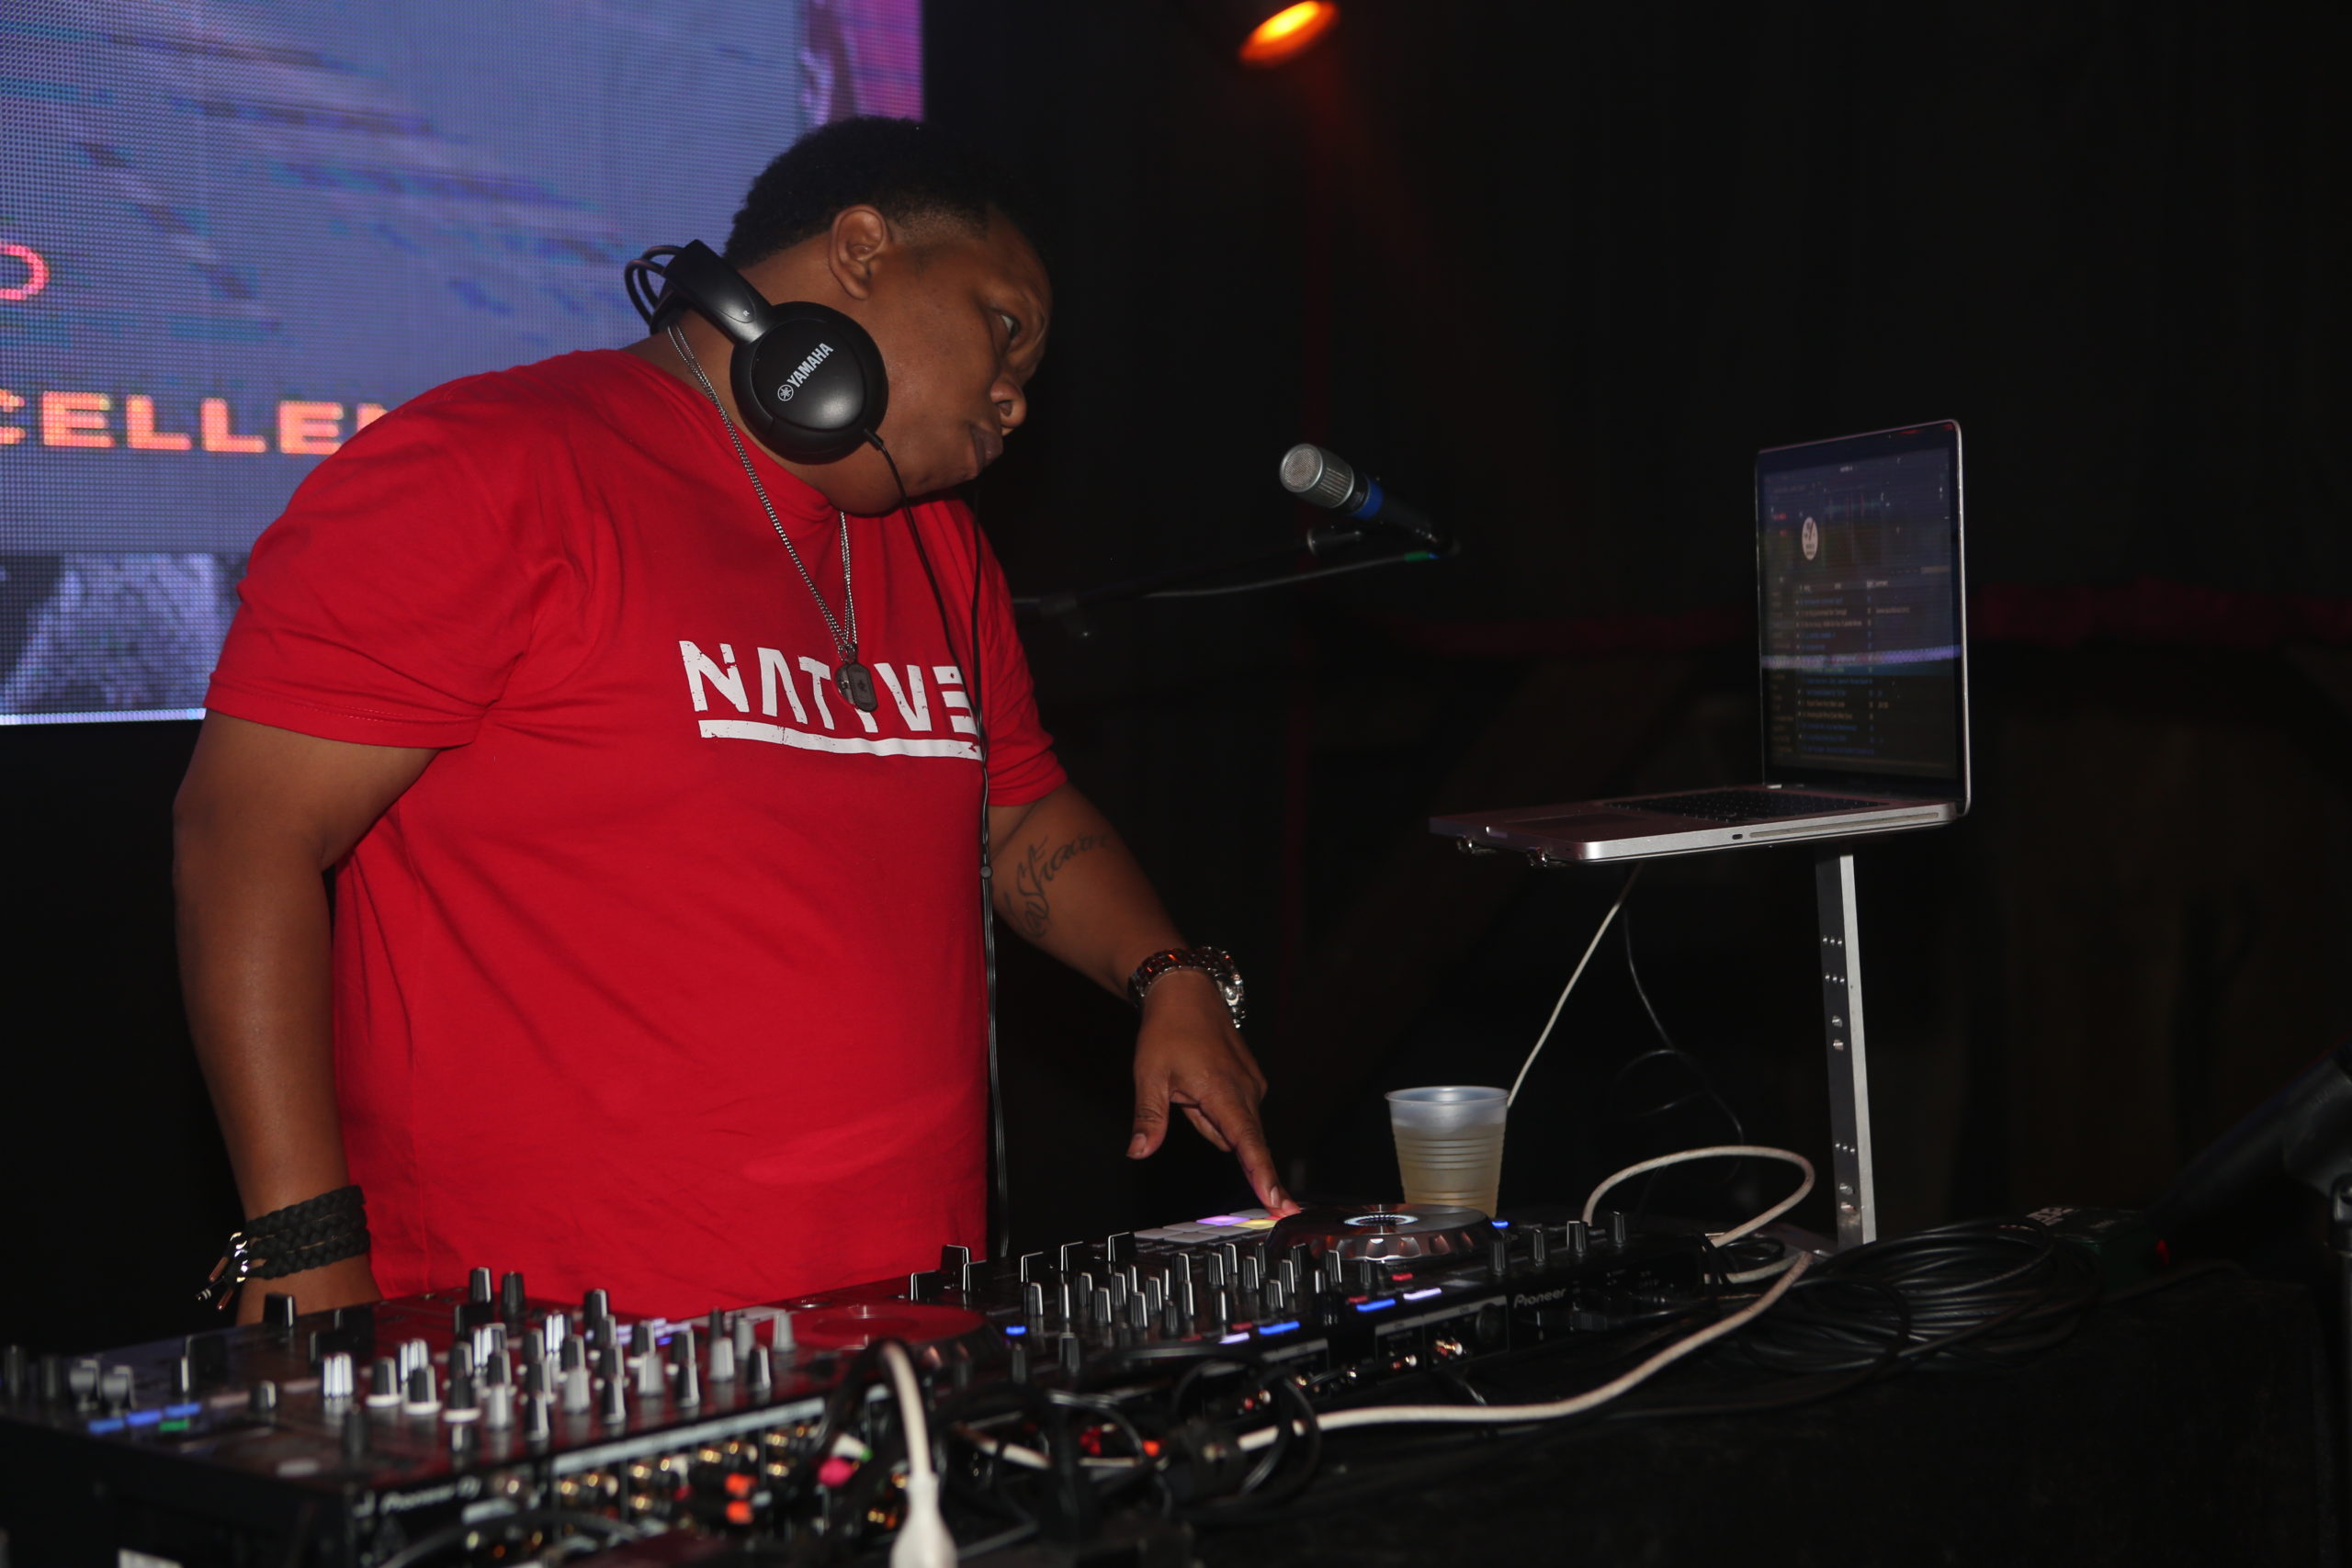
(331, 1285)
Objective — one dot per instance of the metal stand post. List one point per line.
(1849, 1084)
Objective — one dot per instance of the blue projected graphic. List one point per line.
(233, 234)
(1862, 635)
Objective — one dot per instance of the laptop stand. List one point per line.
(1841, 1016)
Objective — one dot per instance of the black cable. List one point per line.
(1665, 1050)
(1000, 1173)
(1978, 1292)
(1031, 601)
(440, 1541)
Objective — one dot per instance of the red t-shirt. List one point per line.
(665, 975)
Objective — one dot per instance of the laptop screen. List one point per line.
(1860, 584)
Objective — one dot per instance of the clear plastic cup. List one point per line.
(1450, 1144)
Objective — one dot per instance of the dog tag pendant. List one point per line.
(856, 683)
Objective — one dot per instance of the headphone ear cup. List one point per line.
(811, 386)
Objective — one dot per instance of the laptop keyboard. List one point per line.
(1738, 805)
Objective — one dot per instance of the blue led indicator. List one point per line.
(1014, 1328)
(1277, 1328)
(179, 1411)
(143, 1417)
(1500, 1224)
(1383, 1304)
(1421, 1295)
(111, 1424)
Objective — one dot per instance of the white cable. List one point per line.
(1591, 948)
(1716, 1151)
(1552, 1410)
(924, 1538)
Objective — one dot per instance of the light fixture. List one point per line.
(1286, 31)
(1264, 31)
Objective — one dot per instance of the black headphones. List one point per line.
(808, 380)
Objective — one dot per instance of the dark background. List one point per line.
(1555, 273)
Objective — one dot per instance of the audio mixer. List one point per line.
(483, 1424)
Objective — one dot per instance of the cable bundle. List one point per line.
(1977, 1293)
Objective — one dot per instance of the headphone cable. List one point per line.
(1000, 1176)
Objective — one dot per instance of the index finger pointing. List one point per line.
(1237, 1121)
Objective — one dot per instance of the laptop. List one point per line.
(1862, 633)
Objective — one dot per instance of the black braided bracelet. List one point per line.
(309, 1234)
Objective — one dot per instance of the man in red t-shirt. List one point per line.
(655, 960)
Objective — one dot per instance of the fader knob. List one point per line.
(1576, 1241)
(780, 1333)
(689, 1389)
(762, 1378)
(16, 1367)
(115, 1388)
(953, 1259)
(1032, 1266)
(184, 1378)
(277, 1310)
(594, 1304)
(616, 1408)
(498, 1405)
(745, 1336)
(262, 1400)
(478, 1286)
(1032, 1306)
(511, 1296)
(578, 1392)
(355, 1441)
(414, 1353)
(384, 1384)
(461, 1405)
(722, 1359)
(536, 1421)
(422, 1398)
(335, 1379)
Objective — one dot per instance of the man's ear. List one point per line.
(859, 237)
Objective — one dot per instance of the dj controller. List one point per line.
(485, 1424)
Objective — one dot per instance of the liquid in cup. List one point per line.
(1450, 1144)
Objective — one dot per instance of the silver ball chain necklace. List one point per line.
(851, 679)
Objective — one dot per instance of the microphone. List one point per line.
(2304, 1132)
(1326, 478)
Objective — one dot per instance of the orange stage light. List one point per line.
(1288, 32)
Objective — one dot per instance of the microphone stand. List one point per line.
(1065, 608)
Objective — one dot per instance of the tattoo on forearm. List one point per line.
(1031, 878)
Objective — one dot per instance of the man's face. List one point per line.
(961, 323)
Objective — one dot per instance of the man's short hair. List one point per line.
(909, 172)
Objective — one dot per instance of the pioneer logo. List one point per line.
(1538, 1299)
(792, 383)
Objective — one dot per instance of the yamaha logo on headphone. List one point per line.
(784, 394)
(808, 380)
